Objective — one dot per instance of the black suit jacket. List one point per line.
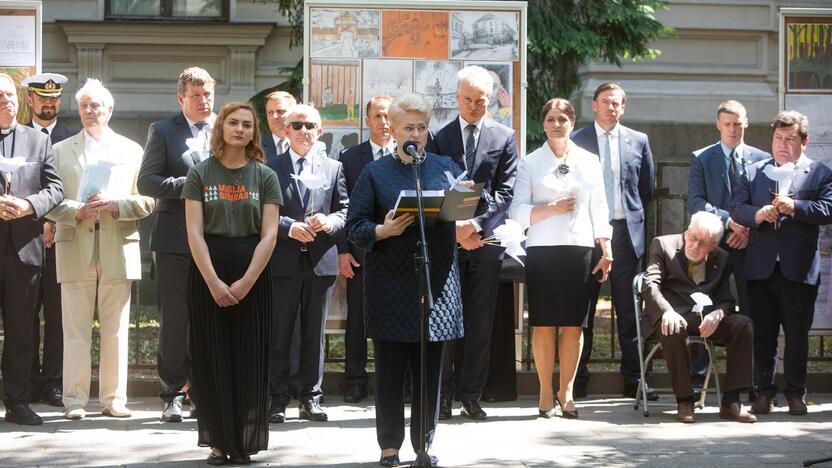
(59, 132)
(162, 175)
(636, 175)
(495, 165)
(38, 183)
(353, 160)
(331, 200)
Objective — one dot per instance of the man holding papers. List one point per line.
(681, 267)
(305, 260)
(97, 242)
(29, 188)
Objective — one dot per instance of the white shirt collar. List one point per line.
(209, 121)
(105, 137)
(6, 131)
(803, 161)
(296, 156)
(464, 123)
(277, 141)
(600, 131)
(390, 147)
(48, 128)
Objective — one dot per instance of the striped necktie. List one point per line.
(470, 150)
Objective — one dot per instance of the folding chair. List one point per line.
(644, 363)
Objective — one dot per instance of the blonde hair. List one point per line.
(477, 77)
(253, 148)
(407, 103)
(281, 95)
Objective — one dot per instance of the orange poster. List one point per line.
(414, 34)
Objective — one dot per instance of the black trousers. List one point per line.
(392, 360)
(738, 270)
(776, 301)
(48, 373)
(172, 359)
(19, 284)
(624, 268)
(355, 368)
(303, 295)
(466, 361)
(735, 332)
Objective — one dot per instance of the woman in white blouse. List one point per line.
(559, 196)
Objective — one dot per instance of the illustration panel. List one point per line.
(387, 77)
(414, 34)
(345, 33)
(479, 35)
(436, 82)
(334, 92)
(809, 64)
(338, 139)
(500, 106)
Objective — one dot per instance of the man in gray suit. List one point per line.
(305, 261)
(26, 195)
(174, 145)
(627, 163)
(714, 173)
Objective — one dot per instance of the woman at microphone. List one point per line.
(391, 284)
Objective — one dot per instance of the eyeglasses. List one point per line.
(697, 242)
(308, 125)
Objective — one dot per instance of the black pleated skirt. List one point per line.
(558, 282)
(230, 352)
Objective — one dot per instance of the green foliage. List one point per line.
(563, 35)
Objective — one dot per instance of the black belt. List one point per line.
(304, 247)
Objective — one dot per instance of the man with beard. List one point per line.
(44, 99)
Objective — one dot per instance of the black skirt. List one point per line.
(558, 282)
(230, 352)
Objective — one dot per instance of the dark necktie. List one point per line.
(302, 190)
(199, 126)
(44, 131)
(733, 170)
(470, 150)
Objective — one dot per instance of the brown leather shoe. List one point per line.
(684, 412)
(734, 412)
(796, 406)
(762, 404)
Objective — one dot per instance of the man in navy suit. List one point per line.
(627, 164)
(487, 151)
(44, 99)
(782, 260)
(714, 173)
(305, 261)
(173, 146)
(277, 104)
(350, 256)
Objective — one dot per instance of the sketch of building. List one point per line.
(345, 33)
(436, 82)
(484, 36)
(387, 77)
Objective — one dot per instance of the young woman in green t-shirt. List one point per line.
(231, 212)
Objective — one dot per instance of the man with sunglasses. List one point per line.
(304, 264)
(678, 266)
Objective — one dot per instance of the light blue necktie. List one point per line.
(608, 175)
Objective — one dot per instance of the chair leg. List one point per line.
(712, 354)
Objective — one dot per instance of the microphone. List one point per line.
(411, 148)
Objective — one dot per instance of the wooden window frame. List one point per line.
(166, 14)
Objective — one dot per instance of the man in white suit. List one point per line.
(97, 247)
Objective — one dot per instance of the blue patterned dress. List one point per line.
(391, 284)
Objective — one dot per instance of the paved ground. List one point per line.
(609, 433)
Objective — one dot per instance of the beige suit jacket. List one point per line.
(118, 235)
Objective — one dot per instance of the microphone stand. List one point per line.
(422, 261)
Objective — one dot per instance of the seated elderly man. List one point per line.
(680, 265)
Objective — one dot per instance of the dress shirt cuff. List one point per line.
(475, 224)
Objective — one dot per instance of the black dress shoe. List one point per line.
(312, 411)
(54, 397)
(216, 460)
(20, 413)
(277, 413)
(389, 460)
(630, 392)
(568, 414)
(355, 394)
(471, 409)
(445, 411)
(240, 460)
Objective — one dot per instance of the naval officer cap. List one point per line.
(47, 85)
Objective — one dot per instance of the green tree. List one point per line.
(563, 35)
